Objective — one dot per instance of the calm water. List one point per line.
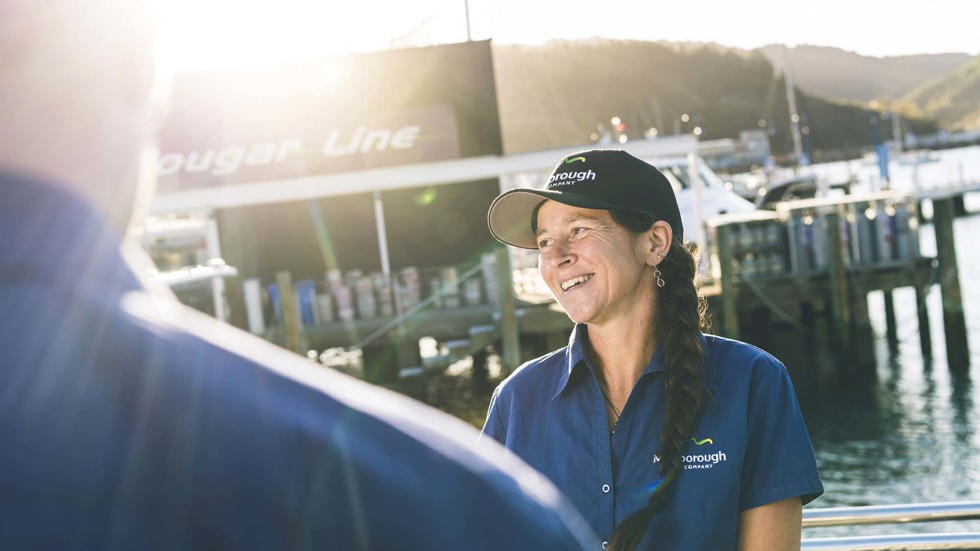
(914, 436)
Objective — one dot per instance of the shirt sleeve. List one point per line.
(779, 460)
(495, 426)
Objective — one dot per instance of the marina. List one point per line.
(768, 267)
(907, 434)
(312, 284)
(764, 268)
(379, 265)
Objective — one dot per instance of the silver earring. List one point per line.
(657, 276)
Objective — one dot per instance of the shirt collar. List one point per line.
(50, 235)
(575, 356)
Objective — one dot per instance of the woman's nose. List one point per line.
(559, 255)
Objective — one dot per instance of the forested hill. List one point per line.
(835, 73)
(555, 95)
(954, 100)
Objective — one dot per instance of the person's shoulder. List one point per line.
(726, 355)
(541, 373)
(263, 413)
(365, 424)
(184, 335)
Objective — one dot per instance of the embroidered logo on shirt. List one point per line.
(702, 460)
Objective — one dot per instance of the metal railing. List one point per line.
(893, 514)
(443, 290)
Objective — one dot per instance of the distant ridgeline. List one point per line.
(943, 87)
(564, 93)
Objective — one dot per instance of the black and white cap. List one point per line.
(608, 179)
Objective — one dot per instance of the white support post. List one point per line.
(217, 282)
(694, 176)
(379, 220)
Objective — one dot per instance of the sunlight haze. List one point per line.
(204, 34)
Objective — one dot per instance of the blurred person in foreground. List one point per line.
(129, 421)
(664, 437)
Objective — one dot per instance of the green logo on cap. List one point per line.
(703, 442)
(573, 159)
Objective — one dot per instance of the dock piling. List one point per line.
(839, 304)
(729, 290)
(510, 341)
(891, 326)
(925, 339)
(290, 317)
(954, 322)
(863, 349)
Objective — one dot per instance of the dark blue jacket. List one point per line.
(128, 421)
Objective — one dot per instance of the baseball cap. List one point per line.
(608, 179)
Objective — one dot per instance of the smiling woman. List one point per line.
(706, 444)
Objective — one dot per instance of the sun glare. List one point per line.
(225, 33)
(205, 34)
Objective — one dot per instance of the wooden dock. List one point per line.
(821, 257)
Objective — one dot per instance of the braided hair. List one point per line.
(681, 315)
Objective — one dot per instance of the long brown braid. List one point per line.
(681, 315)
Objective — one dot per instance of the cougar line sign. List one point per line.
(332, 115)
(415, 135)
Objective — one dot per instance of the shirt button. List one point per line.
(605, 544)
(605, 488)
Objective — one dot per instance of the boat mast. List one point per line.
(794, 117)
(896, 130)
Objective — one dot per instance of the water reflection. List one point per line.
(910, 438)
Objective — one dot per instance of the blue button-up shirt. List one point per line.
(130, 422)
(749, 448)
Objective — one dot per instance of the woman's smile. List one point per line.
(575, 282)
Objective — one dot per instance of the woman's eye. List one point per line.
(579, 231)
(542, 243)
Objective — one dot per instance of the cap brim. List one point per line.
(510, 213)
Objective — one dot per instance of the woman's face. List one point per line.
(594, 267)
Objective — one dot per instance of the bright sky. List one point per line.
(199, 34)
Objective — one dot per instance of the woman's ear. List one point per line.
(657, 241)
